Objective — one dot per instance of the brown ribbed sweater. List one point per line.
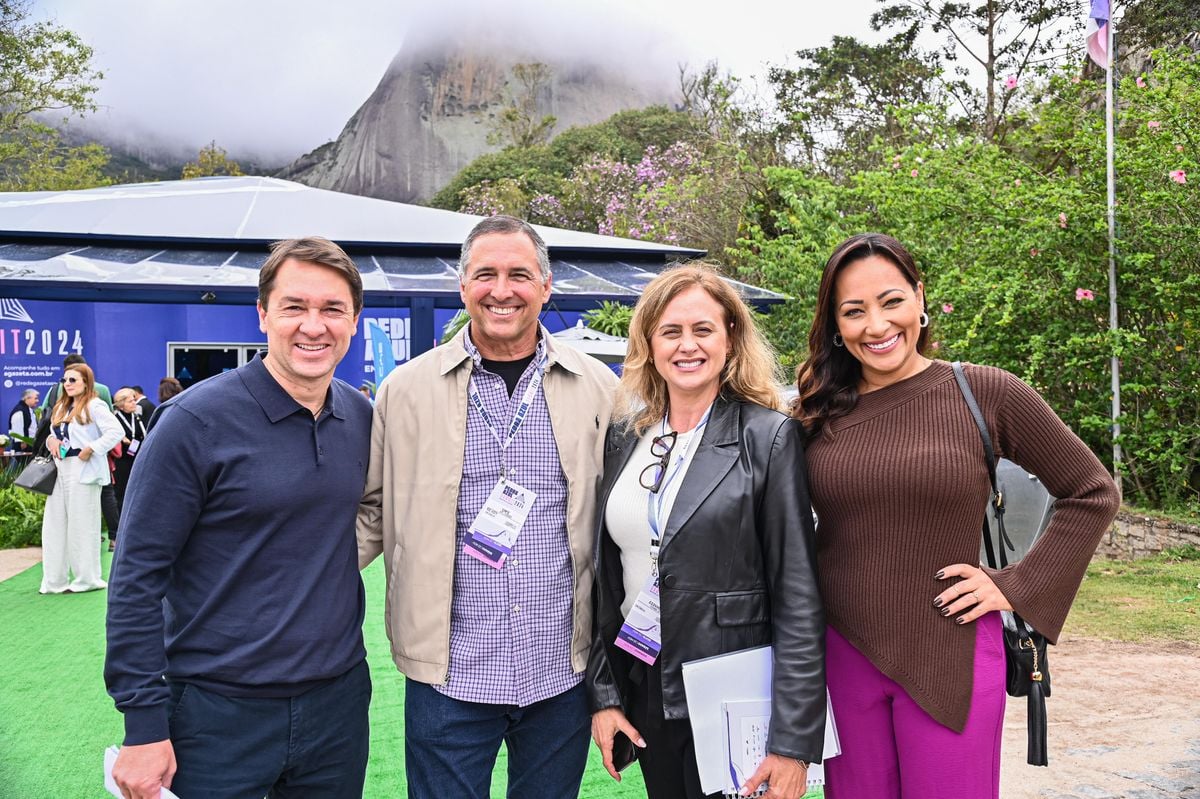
(900, 487)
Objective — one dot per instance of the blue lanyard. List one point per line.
(535, 383)
(654, 502)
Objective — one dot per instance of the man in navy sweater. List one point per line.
(235, 604)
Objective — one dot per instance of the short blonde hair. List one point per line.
(750, 372)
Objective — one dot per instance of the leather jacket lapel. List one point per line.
(717, 454)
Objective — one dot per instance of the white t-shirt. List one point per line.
(626, 512)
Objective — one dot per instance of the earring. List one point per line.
(837, 340)
(924, 320)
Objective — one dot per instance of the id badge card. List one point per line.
(641, 634)
(63, 448)
(133, 446)
(494, 531)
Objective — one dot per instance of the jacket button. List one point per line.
(669, 580)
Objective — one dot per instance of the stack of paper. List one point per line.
(729, 703)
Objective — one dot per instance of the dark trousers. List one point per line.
(110, 510)
(668, 762)
(312, 745)
(450, 746)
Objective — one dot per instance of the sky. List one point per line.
(275, 79)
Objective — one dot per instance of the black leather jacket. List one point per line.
(736, 570)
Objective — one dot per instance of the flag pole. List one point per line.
(1112, 254)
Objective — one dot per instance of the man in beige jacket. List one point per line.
(485, 456)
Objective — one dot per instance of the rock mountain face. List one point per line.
(431, 114)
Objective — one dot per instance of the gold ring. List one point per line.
(976, 596)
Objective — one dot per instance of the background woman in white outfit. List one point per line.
(82, 431)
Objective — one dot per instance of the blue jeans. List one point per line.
(450, 746)
(312, 745)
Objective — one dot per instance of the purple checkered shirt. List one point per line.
(510, 629)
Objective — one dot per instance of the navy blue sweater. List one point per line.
(237, 566)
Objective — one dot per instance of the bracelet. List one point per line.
(803, 764)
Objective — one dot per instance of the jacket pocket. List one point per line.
(736, 608)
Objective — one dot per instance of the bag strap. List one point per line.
(997, 495)
(990, 460)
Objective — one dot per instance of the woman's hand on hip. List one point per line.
(85, 454)
(975, 594)
(788, 779)
(606, 724)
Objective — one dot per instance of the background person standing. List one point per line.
(82, 431)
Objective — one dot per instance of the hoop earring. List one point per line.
(924, 320)
(837, 340)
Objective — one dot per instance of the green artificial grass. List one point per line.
(56, 719)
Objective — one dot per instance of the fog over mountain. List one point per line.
(433, 110)
(270, 80)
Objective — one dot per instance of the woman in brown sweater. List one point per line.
(914, 650)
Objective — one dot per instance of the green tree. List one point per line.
(518, 124)
(211, 160)
(844, 95)
(1010, 40)
(1015, 257)
(540, 169)
(1157, 23)
(44, 70)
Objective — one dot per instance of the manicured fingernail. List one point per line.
(960, 620)
(946, 612)
(937, 603)
(939, 575)
(641, 742)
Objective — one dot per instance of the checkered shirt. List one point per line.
(510, 629)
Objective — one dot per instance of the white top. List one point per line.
(101, 434)
(625, 514)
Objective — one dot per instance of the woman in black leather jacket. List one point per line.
(703, 511)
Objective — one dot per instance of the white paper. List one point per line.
(110, 757)
(709, 683)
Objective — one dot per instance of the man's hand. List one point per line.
(787, 778)
(605, 725)
(141, 772)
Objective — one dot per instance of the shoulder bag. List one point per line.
(1027, 669)
(39, 475)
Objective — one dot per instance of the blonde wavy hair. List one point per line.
(750, 373)
(67, 409)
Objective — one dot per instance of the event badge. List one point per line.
(64, 446)
(495, 529)
(641, 634)
(133, 446)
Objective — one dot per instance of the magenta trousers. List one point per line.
(892, 749)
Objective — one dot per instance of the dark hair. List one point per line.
(72, 359)
(138, 390)
(313, 250)
(168, 387)
(828, 379)
(501, 223)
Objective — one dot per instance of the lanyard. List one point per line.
(130, 424)
(535, 383)
(654, 502)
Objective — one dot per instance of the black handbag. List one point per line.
(39, 475)
(1027, 670)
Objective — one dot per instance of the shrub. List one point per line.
(20, 514)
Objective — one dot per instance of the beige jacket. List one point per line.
(409, 508)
